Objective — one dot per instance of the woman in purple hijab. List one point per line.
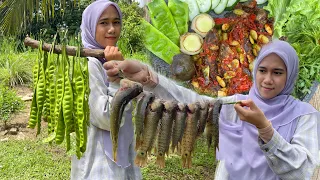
(100, 29)
(269, 135)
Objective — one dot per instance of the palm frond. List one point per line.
(17, 13)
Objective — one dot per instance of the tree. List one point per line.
(17, 14)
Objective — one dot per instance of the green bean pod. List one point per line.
(59, 122)
(51, 92)
(158, 43)
(35, 69)
(180, 14)
(162, 20)
(86, 110)
(60, 127)
(33, 112)
(77, 92)
(80, 111)
(35, 75)
(67, 102)
(40, 91)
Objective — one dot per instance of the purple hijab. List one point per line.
(90, 19)
(239, 141)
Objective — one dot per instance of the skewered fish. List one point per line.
(127, 91)
(165, 131)
(153, 115)
(142, 104)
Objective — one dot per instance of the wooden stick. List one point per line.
(71, 50)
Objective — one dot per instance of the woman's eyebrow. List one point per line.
(277, 69)
(106, 19)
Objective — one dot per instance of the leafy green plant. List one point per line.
(9, 103)
(298, 21)
(131, 37)
(15, 67)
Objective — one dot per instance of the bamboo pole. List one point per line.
(71, 50)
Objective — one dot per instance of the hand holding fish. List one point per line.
(252, 114)
(131, 69)
(112, 71)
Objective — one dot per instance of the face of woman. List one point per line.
(271, 76)
(108, 27)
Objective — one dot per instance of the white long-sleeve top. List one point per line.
(95, 164)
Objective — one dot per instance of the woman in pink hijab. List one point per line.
(269, 135)
(100, 29)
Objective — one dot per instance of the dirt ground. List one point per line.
(17, 125)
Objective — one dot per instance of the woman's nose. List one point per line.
(268, 78)
(111, 29)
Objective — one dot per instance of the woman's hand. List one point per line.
(131, 69)
(112, 53)
(252, 114)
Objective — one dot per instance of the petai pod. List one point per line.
(79, 84)
(67, 101)
(41, 89)
(180, 13)
(59, 122)
(162, 20)
(158, 43)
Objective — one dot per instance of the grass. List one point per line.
(27, 159)
(32, 159)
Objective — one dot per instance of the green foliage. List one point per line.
(132, 34)
(141, 56)
(69, 19)
(298, 21)
(9, 103)
(33, 160)
(15, 67)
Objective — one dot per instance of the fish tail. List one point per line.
(141, 159)
(189, 161)
(160, 160)
(185, 159)
(114, 153)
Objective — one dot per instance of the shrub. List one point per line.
(131, 37)
(9, 103)
(15, 67)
